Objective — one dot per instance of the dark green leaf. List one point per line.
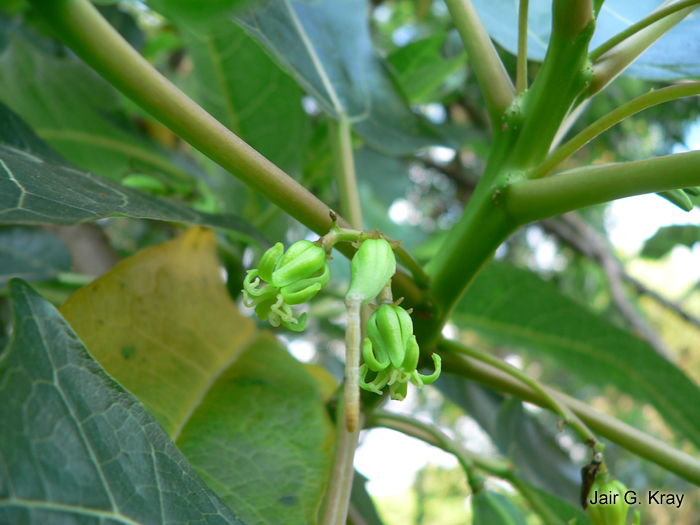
(562, 509)
(492, 508)
(38, 187)
(515, 307)
(124, 23)
(75, 447)
(422, 67)
(326, 46)
(676, 55)
(240, 85)
(538, 459)
(361, 502)
(78, 113)
(32, 254)
(197, 11)
(667, 237)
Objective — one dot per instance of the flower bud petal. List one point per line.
(398, 391)
(372, 267)
(301, 261)
(390, 331)
(269, 260)
(420, 380)
(375, 357)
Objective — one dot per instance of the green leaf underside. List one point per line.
(327, 47)
(243, 88)
(515, 307)
(78, 113)
(32, 254)
(38, 187)
(75, 447)
(262, 438)
(676, 55)
(668, 237)
(362, 502)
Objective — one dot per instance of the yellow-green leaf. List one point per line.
(248, 416)
(163, 324)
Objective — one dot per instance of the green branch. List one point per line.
(81, 27)
(499, 468)
(609, 64)
(616, 431)
(337, 498)
(618, 115)
(645, 22)
(521, 67)
(490, 72)
(538, 199)
(551, 401)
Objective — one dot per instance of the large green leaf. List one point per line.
(75, 446)
(38, 187)
(667, 237)
(197, 11)
(264, 419)
(515, 307)
(32, 254)
(244, 89)
(78, 113)
(327, 47)
(675, 55)
(249, 417)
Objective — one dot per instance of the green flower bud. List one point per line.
(372, 267)
(389, 329)
(610, 507)
(492, 508)
(301, 261)
(269, 261)
(301, 291)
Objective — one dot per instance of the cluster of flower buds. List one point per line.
(286, 279)
(391, 350)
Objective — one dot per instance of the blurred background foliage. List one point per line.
(413, 196)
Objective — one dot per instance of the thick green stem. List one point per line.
(610, 64)
(618, 115)
(498, 468)
(645, 22)
(539, 199)
(492, 76)
(521, 67)
(616, 431)
(93, 39)
(550, 398)
(565, 73)
(432, 435)
(337, 499)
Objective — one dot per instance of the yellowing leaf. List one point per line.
(163, 324)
